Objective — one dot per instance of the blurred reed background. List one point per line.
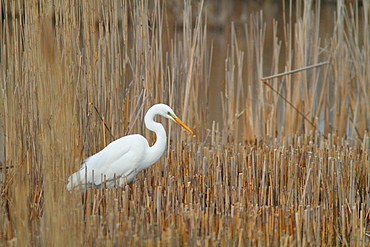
(287, 167)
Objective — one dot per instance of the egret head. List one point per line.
(167, 112)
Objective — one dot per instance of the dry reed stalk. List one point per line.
(264, 80)
(76, 77)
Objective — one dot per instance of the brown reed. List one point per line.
(76, 75)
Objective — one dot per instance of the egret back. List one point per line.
(123, 157)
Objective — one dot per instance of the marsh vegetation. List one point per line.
(285, 165)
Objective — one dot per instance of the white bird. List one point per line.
(125, 157)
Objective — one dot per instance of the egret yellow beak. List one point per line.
(182, 124)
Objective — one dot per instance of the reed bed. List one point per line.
(281, 167)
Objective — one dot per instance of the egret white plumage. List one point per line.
(124, 158)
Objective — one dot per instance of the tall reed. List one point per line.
(76, 76)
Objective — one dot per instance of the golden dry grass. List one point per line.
(77, 75)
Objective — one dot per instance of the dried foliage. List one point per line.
(77, 75)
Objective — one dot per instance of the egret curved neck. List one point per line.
(155, 151)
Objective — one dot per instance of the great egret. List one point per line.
(125, 157)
